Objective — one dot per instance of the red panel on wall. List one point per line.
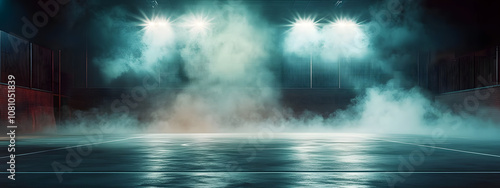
(34, 109)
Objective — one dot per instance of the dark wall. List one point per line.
(484, 102)
(461, 71)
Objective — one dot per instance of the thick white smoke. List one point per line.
(226, 62)
(134, 51)
(226, 59)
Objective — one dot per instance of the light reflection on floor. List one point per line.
(236, 160)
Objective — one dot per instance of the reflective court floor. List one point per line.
(253, 160)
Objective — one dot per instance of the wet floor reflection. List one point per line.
(239, 160)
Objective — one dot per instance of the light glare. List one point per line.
(345, 23)
(303, 23)
(197, 24)
(156, 23)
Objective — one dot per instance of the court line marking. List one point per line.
(399, 142)
(437, 147)
(264, 172)
(69, 147)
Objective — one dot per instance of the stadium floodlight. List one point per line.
(305, 35)
(157, 23)
(157, 31)
(345, 23)
(197, 24)
(305, 25)
(345, 37)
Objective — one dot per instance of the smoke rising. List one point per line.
(230, 86)
(230, 83)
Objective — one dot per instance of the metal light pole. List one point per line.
(307, 27)
(311, 69)
(340, 61)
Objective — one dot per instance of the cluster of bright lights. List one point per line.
(339, 37)
(156, 23)
(342, 22)
(305, 23)
(311, 23)
(302, 26)
(197, 24)
(194, 24)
